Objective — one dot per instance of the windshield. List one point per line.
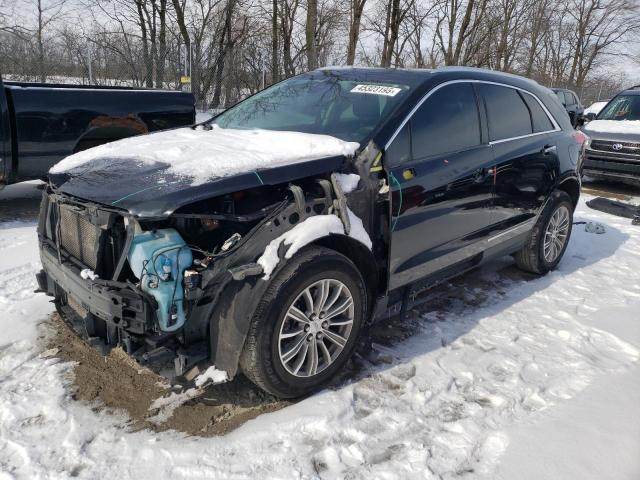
(346, 109)
(623, 107)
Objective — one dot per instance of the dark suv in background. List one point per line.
(572, 104)
(613, 148)
(274, 267)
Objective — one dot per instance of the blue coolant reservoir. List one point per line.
(159, 259)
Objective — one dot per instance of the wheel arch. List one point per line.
(571, 186)
(363, 259)
(238, 300)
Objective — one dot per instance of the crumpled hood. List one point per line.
(613, 130)
(153, 175)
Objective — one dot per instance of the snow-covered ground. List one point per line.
(534, 378)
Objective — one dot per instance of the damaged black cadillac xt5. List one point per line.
(266, 240)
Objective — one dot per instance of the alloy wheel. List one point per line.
(316, 328)
(555, 235)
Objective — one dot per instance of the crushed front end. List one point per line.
(84, 250)
(177, 292)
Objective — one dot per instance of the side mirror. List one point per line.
(590, 116)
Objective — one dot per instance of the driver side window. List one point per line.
(448, 121)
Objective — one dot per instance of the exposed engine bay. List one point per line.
(155, 286)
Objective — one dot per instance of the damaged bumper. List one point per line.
(118, 304)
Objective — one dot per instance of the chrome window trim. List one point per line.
(502, 140)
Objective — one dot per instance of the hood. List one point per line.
(613, 130)
(153, 175)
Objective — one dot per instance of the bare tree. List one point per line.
(232, 46)
(457, 22)
(310, 33)
(356, 8)
(275, 64)
(599, 26)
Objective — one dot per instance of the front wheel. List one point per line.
(306, 326)
(549, 238)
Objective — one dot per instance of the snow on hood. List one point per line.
(203, 155)
(595, 107)
(614, 126)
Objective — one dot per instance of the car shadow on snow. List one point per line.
(444, 313)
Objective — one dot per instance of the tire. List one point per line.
(264, 356)
(531, 257)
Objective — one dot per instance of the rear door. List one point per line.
(440, 170)
(521, 135)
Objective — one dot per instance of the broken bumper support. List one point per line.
(115, 303)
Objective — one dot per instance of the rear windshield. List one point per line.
(623, 107)
(346, 109)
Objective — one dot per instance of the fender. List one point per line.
(229, 300)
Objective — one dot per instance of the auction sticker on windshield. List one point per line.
(376, 90)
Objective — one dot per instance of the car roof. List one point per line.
(563, 90)
(419, 76)
(635, 90)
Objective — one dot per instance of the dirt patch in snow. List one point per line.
(603, 188)
(116, 382)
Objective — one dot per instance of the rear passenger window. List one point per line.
(446, 122)
(540, 119)
(507, 112)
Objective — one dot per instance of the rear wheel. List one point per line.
(306, 326)
(549, 238)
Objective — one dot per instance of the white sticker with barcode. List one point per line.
(376, 90)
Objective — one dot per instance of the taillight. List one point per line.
(580, 137)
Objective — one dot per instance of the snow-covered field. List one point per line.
(527, 378)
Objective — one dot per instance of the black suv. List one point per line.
(572, 104)
(613, 148)
(383, 183)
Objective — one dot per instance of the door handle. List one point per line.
(549, 149)
(481, 174)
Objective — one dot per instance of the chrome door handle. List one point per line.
(549, 149)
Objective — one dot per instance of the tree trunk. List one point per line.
(310, 31)
(162, 44)
(148, 78)
(42, 74)
(357, 6)
(392, 27)
(223, 46)
(275, 67)
(184, 32)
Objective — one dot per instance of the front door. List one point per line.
(440, 168)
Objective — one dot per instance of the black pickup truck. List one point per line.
(42, 123)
